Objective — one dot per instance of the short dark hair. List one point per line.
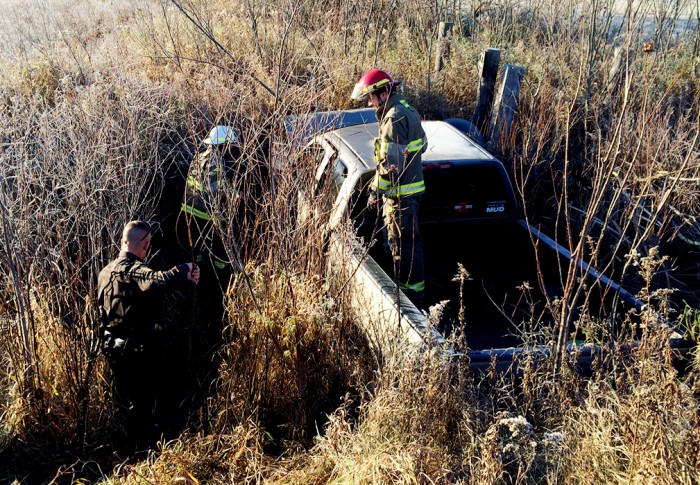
(136, 231)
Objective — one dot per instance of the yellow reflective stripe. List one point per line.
(407, 189)
(374, 86)
(219, 263)
(415, 145)
(384, 149)
(420, 286)
(193, 182)
(404, 103)
(380, 183)
(195, 212)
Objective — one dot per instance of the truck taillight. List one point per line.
(462, 207)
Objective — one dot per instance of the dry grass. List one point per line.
(101, 110)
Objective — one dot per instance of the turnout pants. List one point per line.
(404, 243)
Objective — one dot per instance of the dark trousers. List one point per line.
(136, 380)
(152, 394)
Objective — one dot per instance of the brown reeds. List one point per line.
(604, 158)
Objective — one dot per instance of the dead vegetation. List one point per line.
(100, 115)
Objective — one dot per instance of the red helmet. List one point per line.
(372, 81)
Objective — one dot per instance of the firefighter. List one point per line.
(208, 216)
(128, 294)
(399, 175)
(209, 187)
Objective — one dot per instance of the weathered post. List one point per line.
(443, 45)
(505, 106)
(488, 68)
(614, 77)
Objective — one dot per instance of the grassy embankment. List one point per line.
(102, 108)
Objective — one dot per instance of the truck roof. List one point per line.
(445, 143)
(301, 128)
(353, 131)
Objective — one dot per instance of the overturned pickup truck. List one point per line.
(493, 274)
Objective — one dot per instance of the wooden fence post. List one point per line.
(443, 45)
(488, 68)
(614, 75)
(505, 106)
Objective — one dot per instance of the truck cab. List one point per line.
(463, 181)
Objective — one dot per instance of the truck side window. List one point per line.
(306, 165)
(331, 179)
(340, 172)
(364, 218)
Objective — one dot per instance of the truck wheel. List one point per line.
(468, 128)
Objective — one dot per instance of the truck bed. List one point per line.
(504, 297)
(500, 262)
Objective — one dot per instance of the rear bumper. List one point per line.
(581, 359)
